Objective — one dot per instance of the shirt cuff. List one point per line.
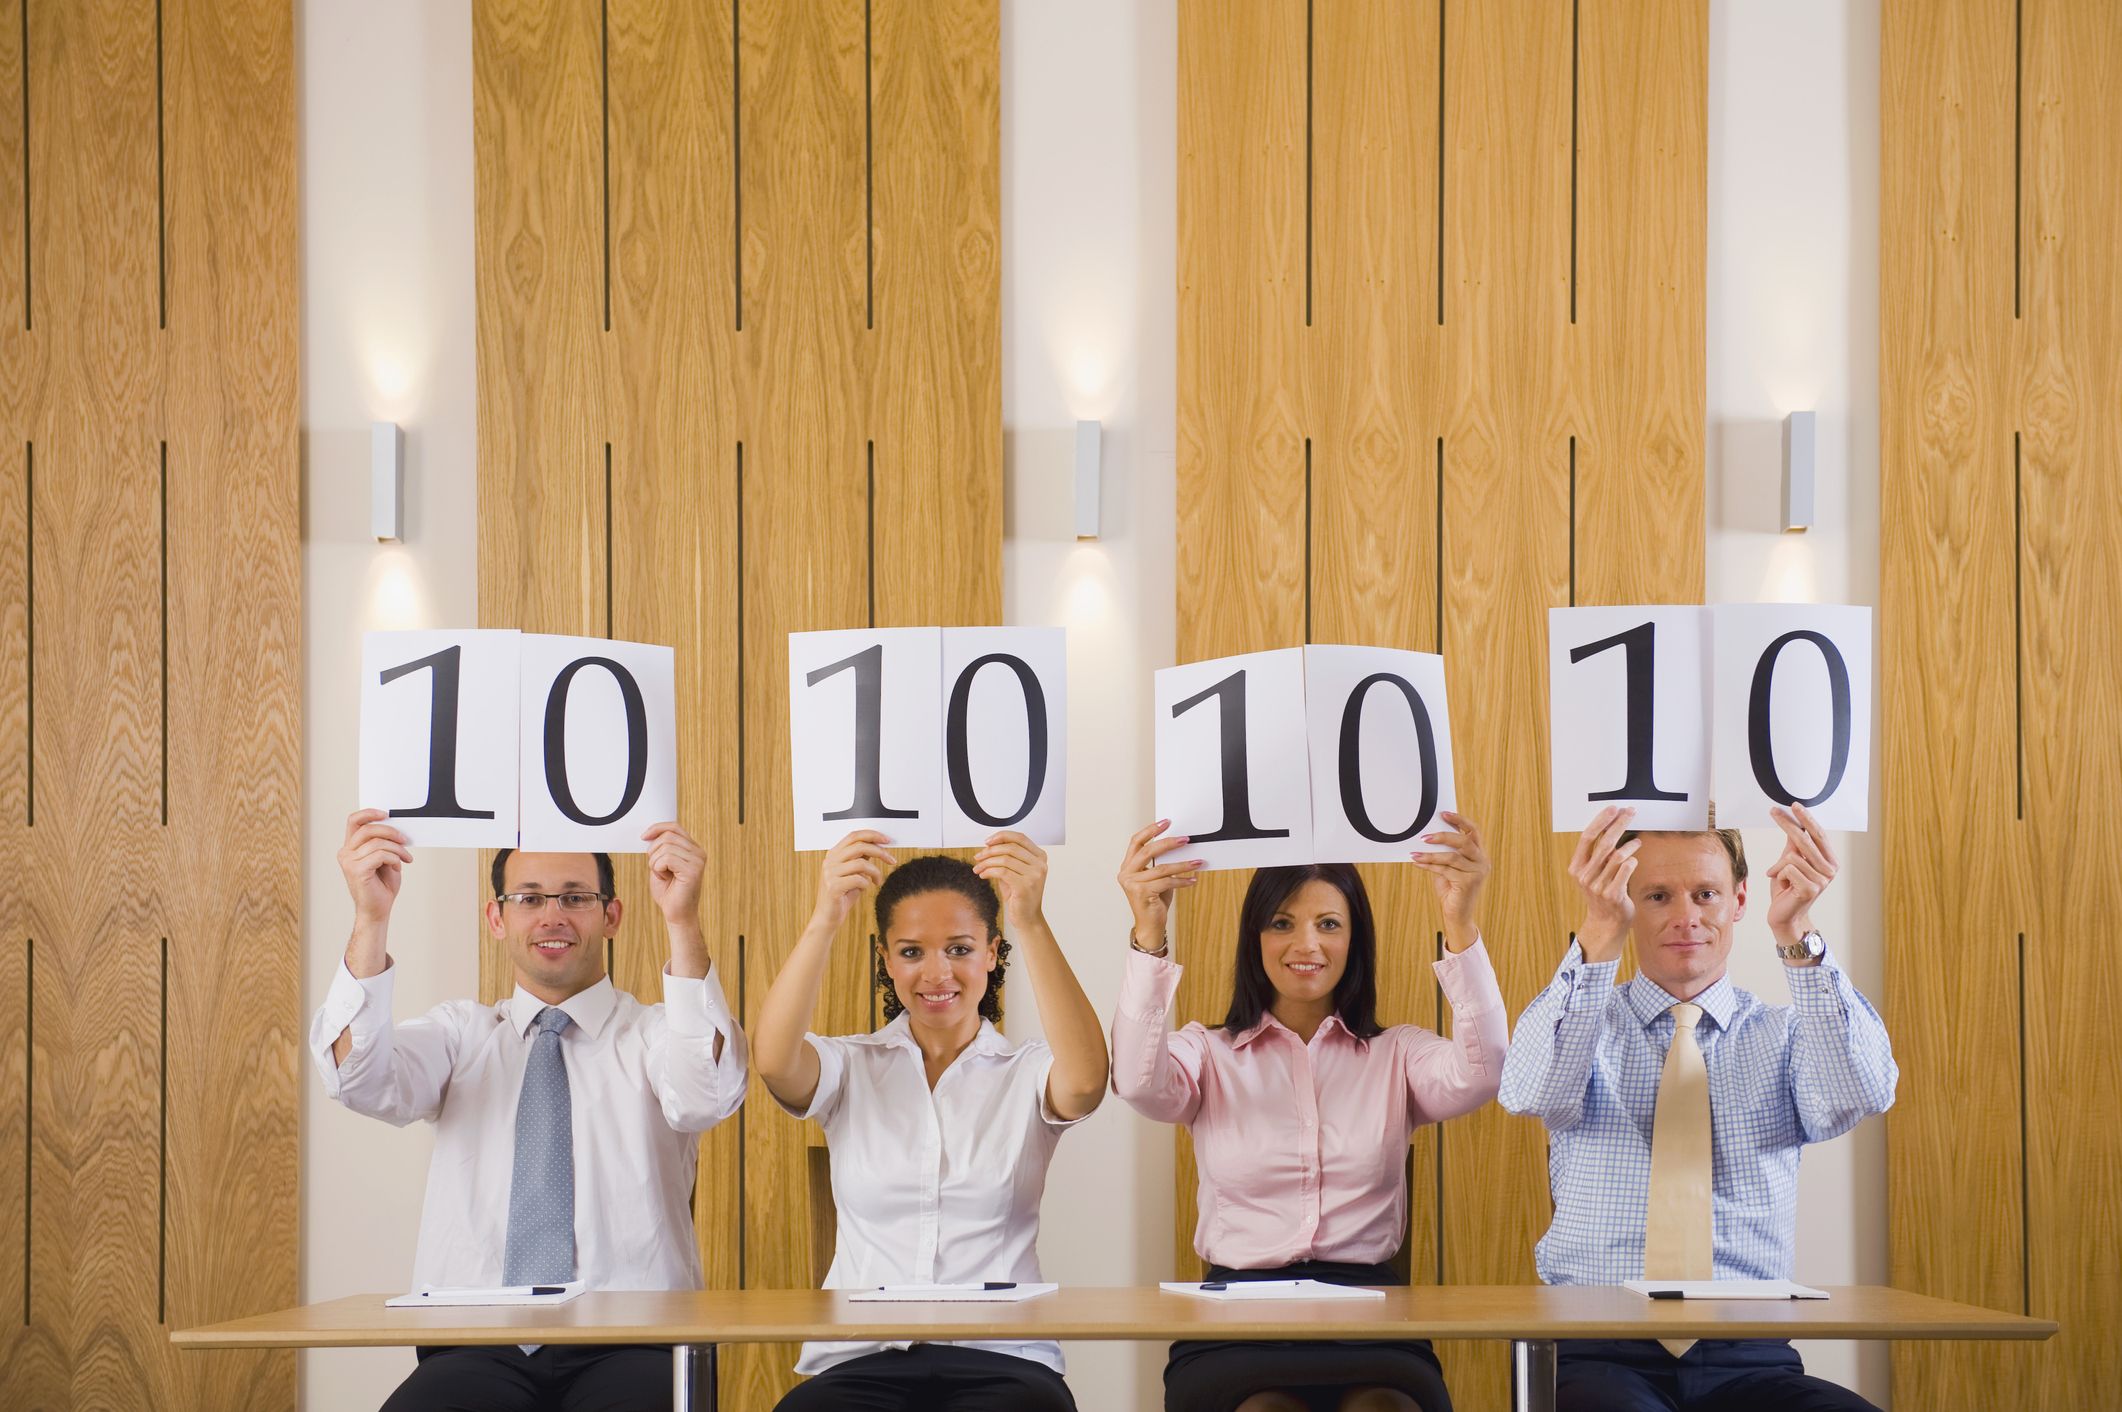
(1818, 988)
(352, 1002)
(1148, 986)
(1468, 979)
(694, 1007)
(1587, 985)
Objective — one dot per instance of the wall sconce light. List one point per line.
(1798, 431)
(1087, 480)
(386, 494)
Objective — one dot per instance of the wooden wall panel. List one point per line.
(231, 909)
(1377, 210)
(1999, 295)
(805, 285)
(2067, 391)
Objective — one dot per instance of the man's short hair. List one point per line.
(605, 883)
(1734, 846)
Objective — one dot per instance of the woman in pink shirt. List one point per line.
(1301, 1105)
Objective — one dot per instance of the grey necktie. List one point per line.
(541, 1193)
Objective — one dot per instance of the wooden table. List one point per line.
(1530, 1317)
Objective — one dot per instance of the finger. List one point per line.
(1810, 876)
(1162, 846)
(863, 836)
(1587, 840)
(1026, 852)
(363, 816)
(375, 830)
(1819, 835)
(1146, 833)
(1168, 870)
(379, 852)
(1011, 836)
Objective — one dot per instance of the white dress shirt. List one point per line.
(937, 1187)
(643, 1084)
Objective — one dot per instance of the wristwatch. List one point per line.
(1810, 947)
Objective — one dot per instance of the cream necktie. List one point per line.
(1676, 1226)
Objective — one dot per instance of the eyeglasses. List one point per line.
(569, 901)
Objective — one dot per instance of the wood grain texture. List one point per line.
(1636, 342)
(1465, 1311)
(1321, 329)
(935, 366)
(743, 256)
(14, 174)
(1241, 414)
(92, 1340)
(674, 474)
(2066, 376)
(806, 557)
(1505, 555)
(1946, 587)
(231, 900)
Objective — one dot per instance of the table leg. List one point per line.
(1532, 1375)
(692, 1382)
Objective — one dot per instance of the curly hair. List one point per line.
(935, 872)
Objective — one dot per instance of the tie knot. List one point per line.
(1685, 1015)
(552, 1019)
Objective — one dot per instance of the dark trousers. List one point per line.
(1717, 1375)
(933, 1377)
(1217, 1375)
(556, 1378)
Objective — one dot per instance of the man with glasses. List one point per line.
(567, 1116)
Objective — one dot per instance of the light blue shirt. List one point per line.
(1586, 1059)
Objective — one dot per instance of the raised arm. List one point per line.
(1446, 1078)
(1549, 1066)
(789, 1066)
(1017, 868)
(1148, 1074)
(373, 859)
(696, 1056)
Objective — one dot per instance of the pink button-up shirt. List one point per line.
(1302, 1148)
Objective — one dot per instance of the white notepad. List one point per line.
(1728, 1289)
(511, 1294)
(1270, 1289)
(990, 1293)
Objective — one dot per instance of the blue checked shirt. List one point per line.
(1586, 1059)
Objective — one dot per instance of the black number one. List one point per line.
(1641, 644)
(556, 741)
(1237, 786)
(868, 665)
(1760, 743)
(1352, 763)
(441, 738)
(957, 751)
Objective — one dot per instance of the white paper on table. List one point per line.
(462, 684)
(1272, 1289)
(864, 748)
(1251, 786)
(1005, 734)
(949, 1294)
(600, 746)
(460, 1298)
(1728, 1289)
(1799, 720)
(1598, 735)
(1372, 800)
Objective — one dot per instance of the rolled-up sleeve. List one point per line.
(1549, 1066)
(1154, 1072)
(1448, 1077)
(696, 1085)
(398, 1073)
(1842, 1064)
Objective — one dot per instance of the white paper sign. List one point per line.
(1005, 734)
(865, 738)
(1628, 715)
(1792, 692)
(600, 743)
(1233, 773)
(1381, 760)
(438, 734)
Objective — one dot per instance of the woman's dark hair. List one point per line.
(1252, 994)
(935, 872)
(605, 884)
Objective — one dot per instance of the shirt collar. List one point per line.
(589, 1009)
(1650, 1000)
(1267, 1020)
(899, 1034)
